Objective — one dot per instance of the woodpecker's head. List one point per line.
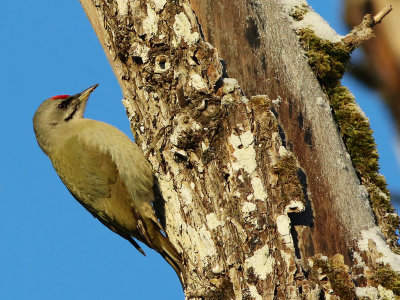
(57, 111)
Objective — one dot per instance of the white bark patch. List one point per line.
(247, 138)
(386, 294)
(283, 226)
(248, 207)
(388, 257)
(367, 292)
(261, 262)
(288, 259)
(183, 30)
(294, 206)
(244, 99)
(218, 269)
(150, 23)
(213, 222)
(144, 147)
(208, 247)
(174, 137)
(186, 194)
(243, 152)
(196, 126)
(122, 7)
(358, 259)
(158, 4)
(140, 50)
(197, 82)
(282, 151)
(258, 188)
(198, 241)
(171, 197)
(204, 147)
(254, 293)
(245, 155)
(229, 85)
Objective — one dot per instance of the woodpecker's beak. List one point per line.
(79, 101)
(83, 96)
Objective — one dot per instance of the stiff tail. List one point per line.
(163, 245)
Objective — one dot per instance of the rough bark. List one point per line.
(257, 182)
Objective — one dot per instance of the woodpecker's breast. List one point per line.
(106, 172)
(93, 179)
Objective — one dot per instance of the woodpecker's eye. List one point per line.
(62, 105)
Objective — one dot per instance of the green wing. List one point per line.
(85, 171)
(93, 180)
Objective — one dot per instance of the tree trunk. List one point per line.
(261, 196)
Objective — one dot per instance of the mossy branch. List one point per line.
(328, 61)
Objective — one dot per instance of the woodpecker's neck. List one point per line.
(52, 136)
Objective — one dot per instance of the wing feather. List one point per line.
(108, 174)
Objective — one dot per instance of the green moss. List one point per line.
(288, 179)
(299, 12)
(337, 273)
(328, 62)
(386, 277)
(355, 131)
(327, 59)
(261, 102)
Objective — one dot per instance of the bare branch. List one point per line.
(364, 31)
(380, 15)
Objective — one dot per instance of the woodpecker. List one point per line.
(104, 170)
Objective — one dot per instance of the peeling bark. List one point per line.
(254, 174)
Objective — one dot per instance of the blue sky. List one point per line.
(51, 247)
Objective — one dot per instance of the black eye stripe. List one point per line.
(72, 114)
(64, 104)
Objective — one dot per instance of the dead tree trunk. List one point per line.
(261, 195)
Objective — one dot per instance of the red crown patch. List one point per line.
(60, 97)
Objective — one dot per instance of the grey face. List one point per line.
(56, 111)
(52, 112)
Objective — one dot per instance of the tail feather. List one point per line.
(149, 231)
(163, 245)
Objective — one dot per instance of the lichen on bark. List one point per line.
(328, 61)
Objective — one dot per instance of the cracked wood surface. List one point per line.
(273, 64)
